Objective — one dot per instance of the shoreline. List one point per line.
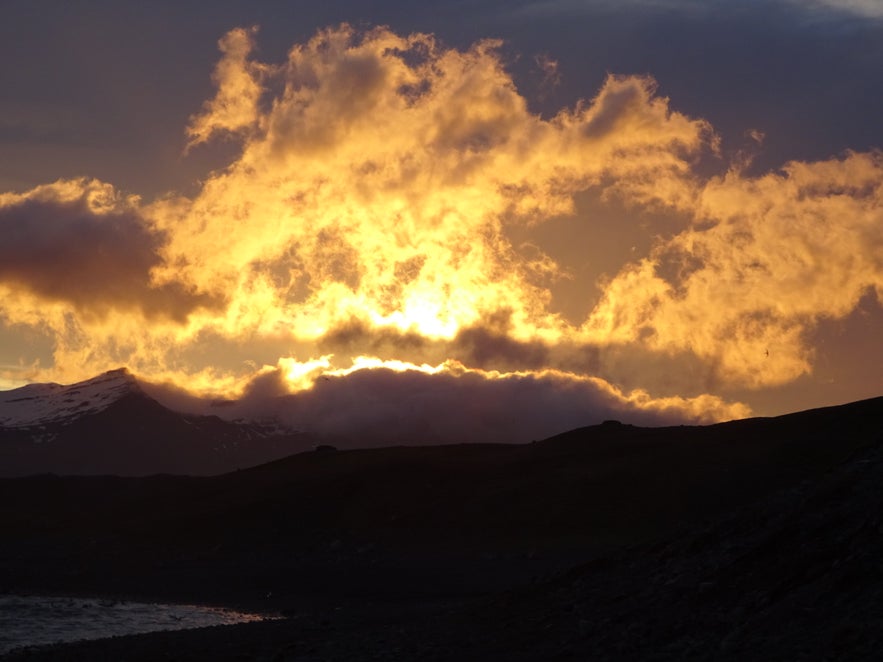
(142, 598)
(340, 632)
(51, 620)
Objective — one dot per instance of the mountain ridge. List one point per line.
(110, 425)
(38, 404)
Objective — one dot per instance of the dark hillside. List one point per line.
(408, 521)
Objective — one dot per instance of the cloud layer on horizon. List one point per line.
(448, 404)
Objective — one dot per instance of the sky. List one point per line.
(433, 216)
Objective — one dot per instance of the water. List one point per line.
(33, 620)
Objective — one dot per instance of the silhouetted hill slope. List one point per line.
(615, 478)
(757, 539)
(796, 575)
(487, 508)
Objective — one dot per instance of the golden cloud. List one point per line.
(370, 212)
(766, 259)
(378, 183)
(234, 108)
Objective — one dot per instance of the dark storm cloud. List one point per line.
(60, 247)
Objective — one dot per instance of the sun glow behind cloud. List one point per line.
(368, 221)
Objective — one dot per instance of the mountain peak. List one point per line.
(115, 377)
(41, 404)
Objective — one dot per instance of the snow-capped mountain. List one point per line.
(42, 404)
(110, 425)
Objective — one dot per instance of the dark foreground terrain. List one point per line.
(757, 539)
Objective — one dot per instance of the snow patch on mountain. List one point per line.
(41, 404)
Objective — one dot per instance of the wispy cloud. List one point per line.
(867, 9)
(583, 7)
(870, 9)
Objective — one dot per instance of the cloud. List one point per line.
(82, 243)
(371, 210)
(378, 184)
(549, 72)
(558, 8)
(452, 404)
(766, 259)
(386, 406)
(234, 107)
(867, 9)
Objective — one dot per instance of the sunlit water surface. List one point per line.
(32, 620)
